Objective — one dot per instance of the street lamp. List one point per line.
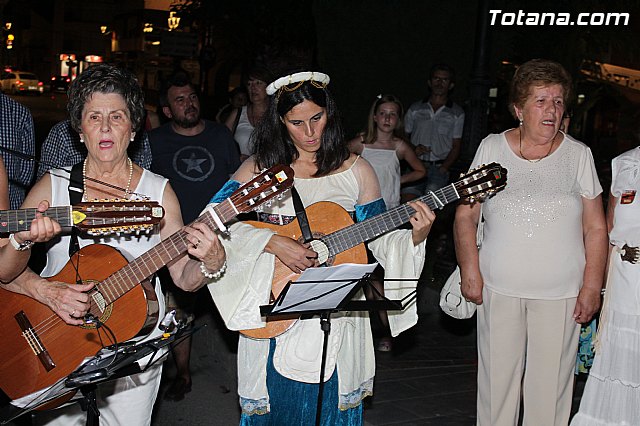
(173, 21)
(7, 39)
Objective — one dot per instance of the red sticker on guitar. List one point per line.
(628, 196)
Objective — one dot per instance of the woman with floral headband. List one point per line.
(278, 377)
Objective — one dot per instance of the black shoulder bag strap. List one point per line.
(76, 190)
(236, 121)
(301, 215)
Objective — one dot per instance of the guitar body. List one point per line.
(324, 218)
(22, 371)
(38, 348)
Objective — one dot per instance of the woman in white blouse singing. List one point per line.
(540, 270)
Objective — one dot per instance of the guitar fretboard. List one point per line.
(161, 254)
(355, 234)
(20, 220)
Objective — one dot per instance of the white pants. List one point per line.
(127, 401)
(526, 348)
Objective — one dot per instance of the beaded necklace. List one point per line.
(127, 191)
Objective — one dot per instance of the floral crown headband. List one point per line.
(317, 79)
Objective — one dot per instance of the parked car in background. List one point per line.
(60, 83)
(15, 82)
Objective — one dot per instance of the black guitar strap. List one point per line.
(76, 190)
(301, 215)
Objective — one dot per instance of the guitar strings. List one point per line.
(343, 239)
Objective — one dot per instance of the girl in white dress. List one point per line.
(384, 146)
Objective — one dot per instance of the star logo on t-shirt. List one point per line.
(193, 163)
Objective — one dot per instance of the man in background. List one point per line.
(197, 156)
(435, 125)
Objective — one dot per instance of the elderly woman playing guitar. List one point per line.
(106, 107)
(278, 377)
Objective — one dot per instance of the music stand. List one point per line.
(318, 296)
(110, 363)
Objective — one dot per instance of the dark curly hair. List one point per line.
(178, 78)
(272, 143)
(105, 78)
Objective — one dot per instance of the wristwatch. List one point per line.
(25, 245)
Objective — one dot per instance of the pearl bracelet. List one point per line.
(213, 275)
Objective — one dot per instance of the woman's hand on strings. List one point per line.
(71, 302)
(205, 246)
(294, 255)
(421, 221)
(42, 228)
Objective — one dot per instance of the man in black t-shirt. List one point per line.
(197, 156)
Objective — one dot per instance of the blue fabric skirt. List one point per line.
(294, 403)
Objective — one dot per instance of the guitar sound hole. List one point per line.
(323, 251)
(99, 308)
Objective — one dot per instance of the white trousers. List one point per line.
(526, 349)
(127, 401)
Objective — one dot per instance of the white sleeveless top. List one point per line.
(243, 132)
(386, 164)
(151, 185)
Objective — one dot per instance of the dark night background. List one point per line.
(367, 47)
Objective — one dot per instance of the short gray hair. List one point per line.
(105, 78)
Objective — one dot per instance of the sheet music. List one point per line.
(321, 289)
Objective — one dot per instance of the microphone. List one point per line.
(169, 323)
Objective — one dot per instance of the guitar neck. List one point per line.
(160, 255)
(20, 220)
(355, 234)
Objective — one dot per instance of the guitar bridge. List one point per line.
(34, 341)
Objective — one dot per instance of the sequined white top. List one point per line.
(533, 241)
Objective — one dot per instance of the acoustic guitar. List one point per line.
(338, 240)
(38, 348)
(97, 217)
